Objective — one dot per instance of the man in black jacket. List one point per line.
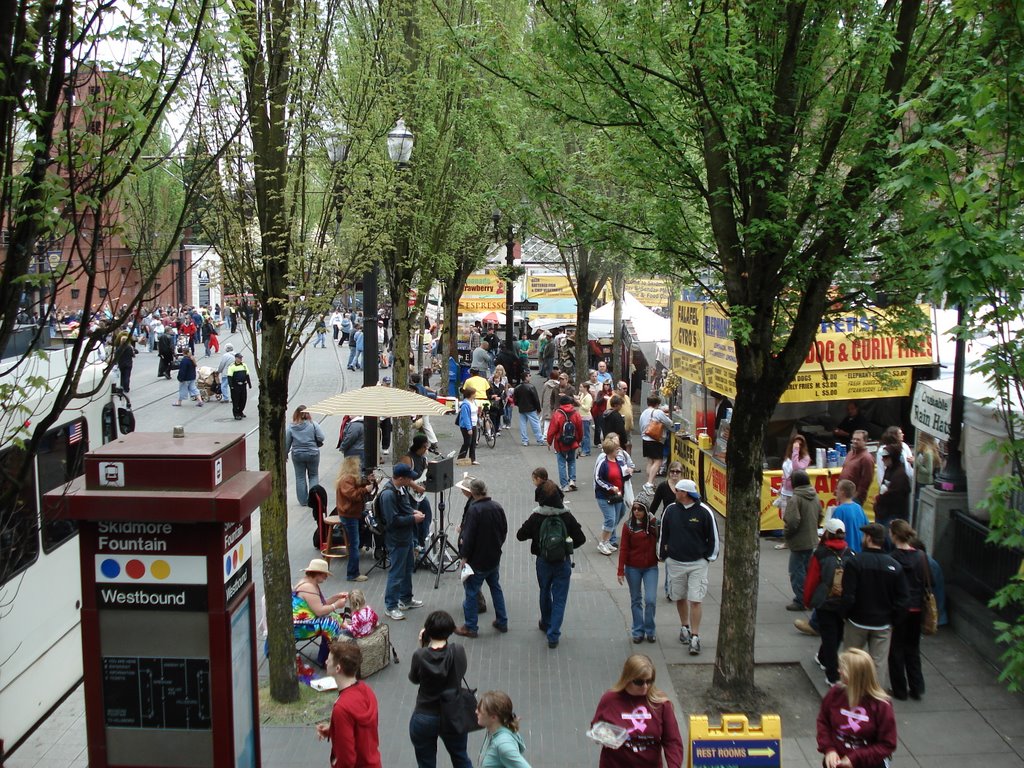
(483, 533)
(614, 422)
(875, 594)
(689, 544)
(528, 402)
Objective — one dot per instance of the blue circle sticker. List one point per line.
(110, 568)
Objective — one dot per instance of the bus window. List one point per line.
(19, 536)
(60, 460)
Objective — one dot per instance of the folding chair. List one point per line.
(301, 644)
(326, 523)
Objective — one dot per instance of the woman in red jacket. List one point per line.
(856, 725)
(638, 565)
(634, 703)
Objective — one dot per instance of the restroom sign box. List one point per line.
(168, 615)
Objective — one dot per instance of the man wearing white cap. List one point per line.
(823, 592)
(689, 544)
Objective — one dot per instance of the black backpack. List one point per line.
(553, 541)
(568, 434)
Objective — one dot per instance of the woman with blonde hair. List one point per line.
(503, 746)
(635, 703)
(856, 724)
(351, 490)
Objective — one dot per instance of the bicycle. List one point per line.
(487, 426)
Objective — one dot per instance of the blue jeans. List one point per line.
(424, 728)
(399, 586)
(566, 467)
(534, 418)
(307, 473)
(585, 443)
(351, 526)
(553, 580)
(612, 515)
(643, 586)
(187, 388)
(798, 573)
(225, 388)
(469, 605)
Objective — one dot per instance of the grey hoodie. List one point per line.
(303, 437)
(801, 519)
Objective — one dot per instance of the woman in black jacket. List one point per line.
(905, 675)
(894, 493)
(436, 666)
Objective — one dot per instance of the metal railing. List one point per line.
(980, 568)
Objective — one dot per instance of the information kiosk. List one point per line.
(168, 628)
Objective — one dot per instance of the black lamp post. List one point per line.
(952, 477)
(400, 141)
(510, 245)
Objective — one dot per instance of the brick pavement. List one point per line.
(965, 719)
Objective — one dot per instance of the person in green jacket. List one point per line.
(503, 747)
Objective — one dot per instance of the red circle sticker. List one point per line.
(135, 569)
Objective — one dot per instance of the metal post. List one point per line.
(510, 246)
(371, 362)
(952, 477)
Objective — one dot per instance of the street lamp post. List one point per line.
(510, 245)
(400, 142)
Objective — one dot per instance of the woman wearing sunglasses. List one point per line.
(635, 704)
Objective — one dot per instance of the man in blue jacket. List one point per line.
(400, 520)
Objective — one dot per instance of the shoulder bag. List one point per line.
(458, 709)
(929, 608)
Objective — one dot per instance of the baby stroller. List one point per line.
(208, 381)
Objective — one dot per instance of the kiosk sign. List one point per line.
(762, 753)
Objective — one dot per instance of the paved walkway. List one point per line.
(965, 719)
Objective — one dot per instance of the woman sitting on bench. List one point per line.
(312, 613)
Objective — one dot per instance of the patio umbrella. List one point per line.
(380, 402)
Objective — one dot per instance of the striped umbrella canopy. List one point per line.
(380, 402)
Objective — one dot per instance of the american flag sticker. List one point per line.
(74, 432)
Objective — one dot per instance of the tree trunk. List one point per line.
(401, 436)
(734, 661)
(618, 288)
(276, 365)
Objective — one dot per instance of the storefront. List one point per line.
(842, 365)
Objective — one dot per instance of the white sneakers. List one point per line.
(395, 614)
(414, 603)
(606, 548)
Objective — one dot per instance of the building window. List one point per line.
(75, 293)
(103, 293)
(94, 90)
(95, 126)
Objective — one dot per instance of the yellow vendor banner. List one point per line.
(687, 367)
(548, 287)
(824, 482)
(484, 284)
(688, 327)
(482, 305)
(808, 386)
(651, 292)
(843, 343)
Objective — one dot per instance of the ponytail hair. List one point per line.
(499, 705)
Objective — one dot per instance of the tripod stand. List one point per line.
(440, 556)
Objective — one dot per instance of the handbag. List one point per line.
(655, 430)
(458, 709)
(929, 607)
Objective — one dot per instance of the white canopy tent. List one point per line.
(647, 326)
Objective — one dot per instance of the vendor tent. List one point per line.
(645, 325)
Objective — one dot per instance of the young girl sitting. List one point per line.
(363, 620)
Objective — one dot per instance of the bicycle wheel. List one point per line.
(489, 435)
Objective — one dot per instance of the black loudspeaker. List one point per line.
(440, 475)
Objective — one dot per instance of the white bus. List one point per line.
(40, 584)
